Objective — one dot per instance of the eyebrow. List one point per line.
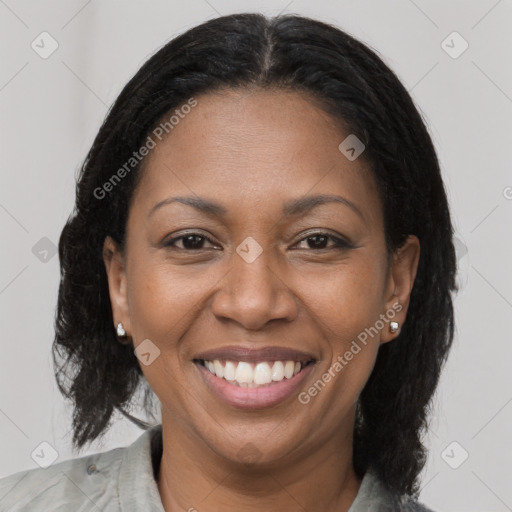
(199, 203)
(291, 208)
(307, 203)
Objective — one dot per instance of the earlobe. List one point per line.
(116, 275)
(401, 281)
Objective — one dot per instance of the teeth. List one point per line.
(251, 375)
(244, 373)
(229, 371)
(278, 371)
(263, 373)
(289, 367)
(219, 369)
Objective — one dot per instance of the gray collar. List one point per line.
(139, 467)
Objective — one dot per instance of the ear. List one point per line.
(115, 267)
(400, 282)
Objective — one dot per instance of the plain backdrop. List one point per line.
(51, 109)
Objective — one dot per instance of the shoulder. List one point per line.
(373, 496)
(67, 485)
(411, 505)
(115, 480)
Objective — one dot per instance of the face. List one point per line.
(269, 270)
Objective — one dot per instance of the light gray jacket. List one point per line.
(123, 480)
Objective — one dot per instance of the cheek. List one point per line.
(344, 300)
(161, 298)
(163, 301)
(345, 303)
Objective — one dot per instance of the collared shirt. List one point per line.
(124, 480)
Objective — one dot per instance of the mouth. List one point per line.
(253, 378)
(253, 375)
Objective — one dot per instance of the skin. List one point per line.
(251, 151)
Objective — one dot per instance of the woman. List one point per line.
(262, 239)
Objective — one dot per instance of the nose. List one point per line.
(253, 294)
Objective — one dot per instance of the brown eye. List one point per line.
(320, 241)
(190, 242)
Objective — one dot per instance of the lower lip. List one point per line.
(253, 398)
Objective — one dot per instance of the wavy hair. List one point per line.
(351, 82)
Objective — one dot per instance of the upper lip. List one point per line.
(241, 353)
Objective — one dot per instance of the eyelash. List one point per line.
(340, 244)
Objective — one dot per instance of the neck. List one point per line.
(194, 478)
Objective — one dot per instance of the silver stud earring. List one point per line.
(394, 326)
(120, 330)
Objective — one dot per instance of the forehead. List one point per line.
(257, 147)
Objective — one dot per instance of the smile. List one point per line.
(251, 375)
(247, 378)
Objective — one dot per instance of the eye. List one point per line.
(319, 241)
(190, 242)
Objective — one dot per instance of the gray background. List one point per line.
(52, 108)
